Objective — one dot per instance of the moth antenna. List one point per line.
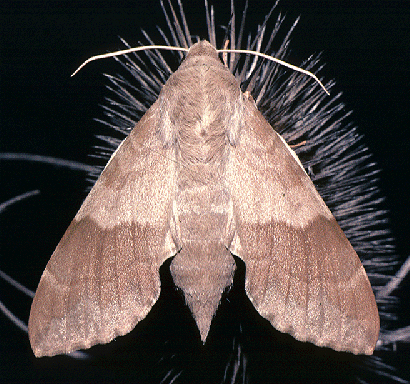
(126, 51)
(281, 62)
(166, 47)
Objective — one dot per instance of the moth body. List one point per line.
(199, 119)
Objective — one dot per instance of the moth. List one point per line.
(203, 177)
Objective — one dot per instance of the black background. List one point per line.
(365, 46)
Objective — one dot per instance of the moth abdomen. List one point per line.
(203, 270)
